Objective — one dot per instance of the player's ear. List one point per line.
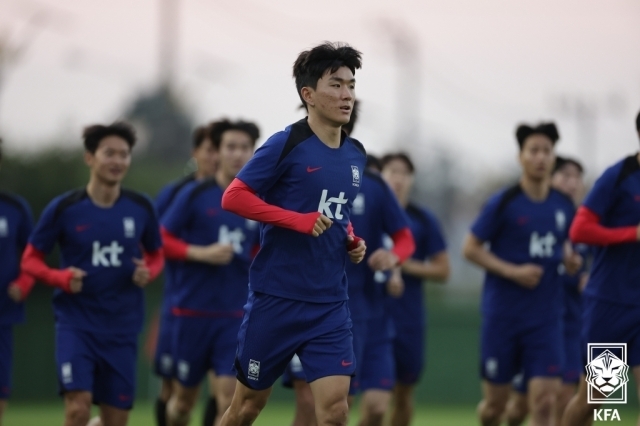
(307, 95)
(88, 158)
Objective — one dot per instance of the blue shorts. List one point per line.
(376, 370)
(409, 352)
(360, 333)
(103, 364)
(510, 347)
(163, 360)
(572, 367)
(6, 358)
(274, 329)
(609, 322)
(203, 344)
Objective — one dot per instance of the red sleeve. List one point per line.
(403, 244)
(350, 233)
(25, 283)
(34, 265)
(586, 229)
(155, 263)
(242, 200)
(174, 247)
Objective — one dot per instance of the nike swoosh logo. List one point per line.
(81, 228)
(346, 364)
(312, 169)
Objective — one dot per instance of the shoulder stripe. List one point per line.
(137, 197)
(201, 187)
(72, 198)
(508, 196)
(14, 201)
(629, 167)
(300, 132)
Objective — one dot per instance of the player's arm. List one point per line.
(20, 288)
(177, 249)
(150, 266)
(571, 259)
(435, 268)
(356, 246)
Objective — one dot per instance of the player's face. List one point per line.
(399, 177)
(111, 160)
(334, 96)
(206, 158)
(568, 179)
(537, 157)
(236, 148)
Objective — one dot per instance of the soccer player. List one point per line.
(205, 156)
(406, 306)
(15, 285)
(608, 220)
(526, 226)
(301, 184)
(211, 286)
(566, 178)
(110, 246)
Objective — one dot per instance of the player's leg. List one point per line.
(543, 392)
(77, 408)
(6, 358)
(305, 405)
(409, 355)
(224, 389)
(330, 396)
(493, 404)
(181, 404)
(112, 416)
(245, 406)
(374, 404)
(578, 411)
(403, 404)
(517, 408)
(567, 391)
(164, 367)
(211, 409)
(3, 407)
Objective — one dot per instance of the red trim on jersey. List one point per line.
(240, 199)
(33, 264)
(174, 247)
(25, 283)
(403, 244)
(586, 229)
(184, 312)
(155, 263)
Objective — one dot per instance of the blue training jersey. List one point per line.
(520, 230)
(16, 224)
(295, 170)
(572, 294)
(375, 212)
(409, 308)
(615, 198)
(102, 242)
(163, 201)
(196, 216)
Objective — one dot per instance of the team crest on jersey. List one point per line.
(254, 369)
(4, 227)
(356, 175)
(183, 370)
(129, 227)
(358, 204)
(561, 220)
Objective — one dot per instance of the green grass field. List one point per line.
(276, 414)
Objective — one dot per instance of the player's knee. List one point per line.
(491, 410)
(336, 413)
(249, 411)
(78, 409)
(542, 406)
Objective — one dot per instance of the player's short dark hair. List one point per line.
(93, 134)
(404, 157)
(217, 129)
(373, 162)
(200, 134)
(563, 161)
(312, 64)
(353, 120)
(638, 122)
(547, 129)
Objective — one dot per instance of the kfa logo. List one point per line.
(541, 246)
(355, 172)
(129, 227)
(325, 205)
(254, 370)
(607, 371)
(235, 238)
(4, 227)
(358, 204)
(107, 256)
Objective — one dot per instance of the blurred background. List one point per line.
(446, 81)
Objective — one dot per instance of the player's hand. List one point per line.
(573, 263)
(322, 224)
(75, 285)
(527, 275)
(395, 285)
(15, 293)
(382, 260)
(357, 254)
(217, 254)
(141, 275)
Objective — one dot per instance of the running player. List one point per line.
(566, 178)
(608, 220)
(301, 184)
(406, 306)
(205, 156)
(15, 285)
(111, 248)
(526, 226)
(211, 287)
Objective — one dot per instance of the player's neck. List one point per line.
(222, 179)
(403, 200)
(101, 194)
(326, 132)
(537, 190)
